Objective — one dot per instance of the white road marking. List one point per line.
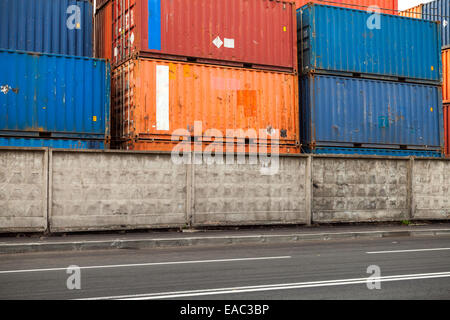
(411, 250)
(273, 287)
(149, 264)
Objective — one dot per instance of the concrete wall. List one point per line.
(431, 185)
(360, 190)
(101, 191)
(238, 194)
(23, 190)
(111, 190)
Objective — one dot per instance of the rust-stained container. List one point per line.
(446, 75)
(447, 129)
(389, 6)
(414, 12)
(253, 34)
(103, 31)
(156, 101)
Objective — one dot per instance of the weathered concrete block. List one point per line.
(431, 189)
(23, 190)
(239, 194)
(356, 190)
(109, 191)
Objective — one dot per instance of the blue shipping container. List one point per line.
(51, 143)
(338, 41)
(54, 96)
(49, 26)
(375, 152)
(352, 112)
(439, 10)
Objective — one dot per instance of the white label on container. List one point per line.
(218, 42)
(229, 43)
(445, 23)
(162, 98)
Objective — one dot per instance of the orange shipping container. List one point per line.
(389, 6)
(103, 31)
(155, 101)
(414, 12)
(446, 75)
(447, 129)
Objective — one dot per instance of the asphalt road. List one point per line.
(309, 270)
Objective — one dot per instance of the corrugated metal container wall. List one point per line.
(103, 32)
(51, 143)
(439, 10)
(338, 39)
(446, 75)
(257, 33)
(350, 112)
(414, 12)
(154, 98)
(376, 152)
(447, 129)
(49, 26)
(60, 96)
(390, 6)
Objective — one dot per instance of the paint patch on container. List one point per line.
(154, 24)
(162, 98)
(225, 84)
(247, 99)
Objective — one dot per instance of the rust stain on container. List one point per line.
(446, 75)
(155, 100)
(414, 12)
(390, 6)
(257, 34)
(103, 31)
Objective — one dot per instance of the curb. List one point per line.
(205, 241)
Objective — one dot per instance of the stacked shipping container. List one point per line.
(386, 6)
(229, 65)
(369, 87)
(53, 93)
(438, 11)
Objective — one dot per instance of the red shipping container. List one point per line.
(447, 129)
(252, 34)
(390, 6)
(103, 31)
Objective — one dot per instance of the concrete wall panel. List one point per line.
(23, 190)
(240, 194)
(431, 185)
(359, 190)
(105, 190)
